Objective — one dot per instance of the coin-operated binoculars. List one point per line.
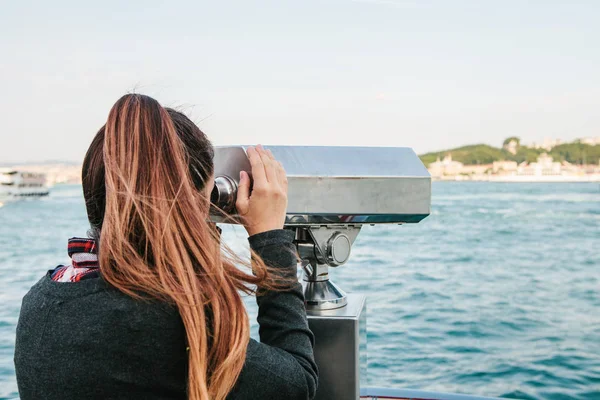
(332, 193)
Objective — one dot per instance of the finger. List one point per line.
(282, 175)
(270, 169)
(243, 193)
(258, 168)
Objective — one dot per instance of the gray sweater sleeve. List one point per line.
(282, 365)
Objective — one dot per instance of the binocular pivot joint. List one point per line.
(319, 248)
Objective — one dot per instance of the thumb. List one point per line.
(243, 193)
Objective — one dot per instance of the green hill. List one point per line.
(575, 153)
(469, 155)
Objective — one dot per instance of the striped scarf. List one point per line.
(84, 262)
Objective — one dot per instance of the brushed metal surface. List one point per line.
(330, 185)
(340, 348)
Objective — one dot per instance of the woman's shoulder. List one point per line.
(47, 287)
(94, 292)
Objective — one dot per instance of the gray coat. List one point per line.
(86, 340)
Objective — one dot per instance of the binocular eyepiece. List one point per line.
(224, 194)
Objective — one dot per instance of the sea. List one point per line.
(496, 293)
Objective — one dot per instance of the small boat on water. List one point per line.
(15, 183)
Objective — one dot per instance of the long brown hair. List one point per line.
(143, 181)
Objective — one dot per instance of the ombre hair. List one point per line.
(144, 177)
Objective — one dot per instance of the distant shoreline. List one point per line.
(521, 179)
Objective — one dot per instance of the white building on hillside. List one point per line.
(545, 165)
(512, 146)
(445, 167)
(504, 166)
(547, 144)
(592, 141)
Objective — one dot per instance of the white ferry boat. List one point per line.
(15, 183)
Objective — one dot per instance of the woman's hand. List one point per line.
(264, 209)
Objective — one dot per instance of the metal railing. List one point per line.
(374, 393)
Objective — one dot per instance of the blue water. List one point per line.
(496, 293)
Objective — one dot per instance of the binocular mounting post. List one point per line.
(319, 248)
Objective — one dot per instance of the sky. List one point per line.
(423, 74)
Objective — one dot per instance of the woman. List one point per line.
(150, 306)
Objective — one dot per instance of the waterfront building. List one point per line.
(504, 167)
(545, 165)
(477, 169)
(447, 166)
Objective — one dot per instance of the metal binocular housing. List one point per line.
(332, 192)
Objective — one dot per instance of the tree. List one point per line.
(510, 139)
(468, 155)
(576, 153)
(525, 153)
